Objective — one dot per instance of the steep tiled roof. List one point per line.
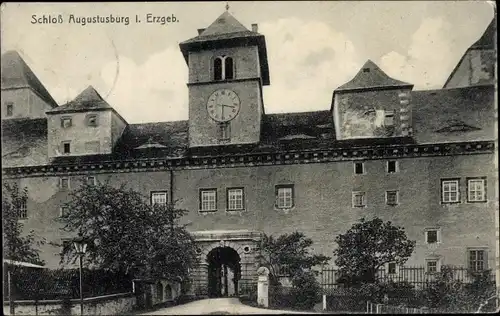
(224, 27)
(487, 40)
(89, 99)
(17, 74)
(370, 76)
(439, 115)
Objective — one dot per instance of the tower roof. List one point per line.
(17, 74)
(224, 27)
(370, 76)
(487, 40)
(88, 100)
(224, 24)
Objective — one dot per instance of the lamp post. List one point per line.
(80, 247)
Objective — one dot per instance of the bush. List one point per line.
(452, 295)
(305, 291)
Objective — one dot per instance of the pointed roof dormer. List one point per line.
(88, 100)
(371, 77)
(226, 31)
(17, 74)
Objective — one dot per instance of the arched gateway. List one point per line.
(227, 262)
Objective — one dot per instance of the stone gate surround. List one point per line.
(244, 242)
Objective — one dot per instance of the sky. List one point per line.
(313, 47)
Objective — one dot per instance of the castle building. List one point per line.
(421, 159)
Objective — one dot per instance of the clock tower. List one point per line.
(227, 69)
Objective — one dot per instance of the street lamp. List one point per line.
(80, 247)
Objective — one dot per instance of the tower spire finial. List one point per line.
(227, 6)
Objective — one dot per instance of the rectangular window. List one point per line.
(64, 210)
(208, 200)
(91, 180)
(358, 199)
(392, 166)
(284, 196)
(23, 209)
(10, 109)
(391, 268)
(64, 183)
(477, 260)
(392, 197)
(359, 168)
(389, 118)
(432, 236)
(159, 197)
(450, 192)
(224, 131)
(235, 199)
(66, 147)
(66, 122)
(431, 266)
(476, 190)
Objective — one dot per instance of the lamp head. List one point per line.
(80, 245)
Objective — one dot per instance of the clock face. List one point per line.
(223, 105)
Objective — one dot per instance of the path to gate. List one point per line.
(231, 306)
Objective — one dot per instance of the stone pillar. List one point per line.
(263, 287)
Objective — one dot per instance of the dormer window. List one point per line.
(65, 122)
(10, 109)
(389, 118)
(223, 68)
(92, 120)
(366, 69)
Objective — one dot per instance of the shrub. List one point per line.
(452, 295)
(305, 291)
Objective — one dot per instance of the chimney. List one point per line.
(255, 28)
(200, 31)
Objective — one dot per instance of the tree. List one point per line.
(289, 251)
(128, 235)
(17, 245)
(367, 246)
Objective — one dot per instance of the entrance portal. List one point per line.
(224, 272)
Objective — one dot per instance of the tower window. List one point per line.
(223, 68)
(66, 147)
(389, 118)
(218, 68)
(66, 122)
(224, 131)
(228, 68)
(92, 120)
(10, 109)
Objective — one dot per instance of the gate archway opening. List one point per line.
(224, 272)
